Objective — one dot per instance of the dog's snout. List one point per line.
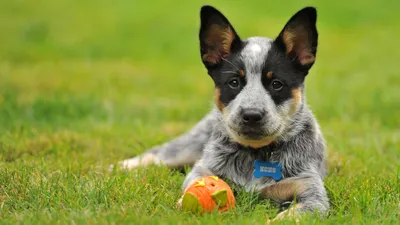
(252, 116)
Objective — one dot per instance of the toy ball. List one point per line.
(208, 194)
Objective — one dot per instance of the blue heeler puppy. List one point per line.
(260, 115)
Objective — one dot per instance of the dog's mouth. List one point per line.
(252, 133)
(252, 139)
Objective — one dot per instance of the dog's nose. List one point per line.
(252, 116)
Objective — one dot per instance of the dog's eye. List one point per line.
(277, 85)
(234, 83)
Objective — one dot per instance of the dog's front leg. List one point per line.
(196, 173)
(177, 153)
(307, 190)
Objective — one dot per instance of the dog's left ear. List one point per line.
(217, 37)
(299, 38)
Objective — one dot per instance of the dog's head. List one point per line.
(258, 81)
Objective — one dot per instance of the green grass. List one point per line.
(84, 84)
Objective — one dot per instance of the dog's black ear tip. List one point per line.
(207, 9)
(309, 12)
(310, 9)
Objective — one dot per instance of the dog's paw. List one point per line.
(111, 168)
(179, 203)
(138, 161)
(292, 213)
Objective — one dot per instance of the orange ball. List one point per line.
(208, 194)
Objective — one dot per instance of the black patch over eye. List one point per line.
(277, 85)
(234, 83)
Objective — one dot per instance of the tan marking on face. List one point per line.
(269, 75)
(218, 103)
(241, 73)
(219, 39)
(285, 190)
(296, 96)
(254, 143)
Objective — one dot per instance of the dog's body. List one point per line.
(260, 114)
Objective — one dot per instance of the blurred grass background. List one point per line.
(86, 83)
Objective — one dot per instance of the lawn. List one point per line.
(84, 84)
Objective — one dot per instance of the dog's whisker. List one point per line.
(230, 63)
(229, 72)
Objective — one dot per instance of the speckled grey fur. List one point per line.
(299, 145)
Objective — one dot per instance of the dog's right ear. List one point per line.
(218, 39)
(299, 38)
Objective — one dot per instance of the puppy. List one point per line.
(261, 135)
